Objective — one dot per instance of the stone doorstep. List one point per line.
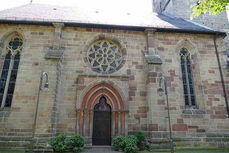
(39, 150)
(98, 148)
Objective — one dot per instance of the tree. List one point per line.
(211, 7)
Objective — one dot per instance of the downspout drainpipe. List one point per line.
(221, 75)
(167, 3)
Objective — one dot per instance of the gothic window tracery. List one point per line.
(9, 70)
(186, 69)
(105, 56)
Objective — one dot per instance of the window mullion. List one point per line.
(7, 81)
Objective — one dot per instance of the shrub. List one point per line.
(119, 142)
(131, 144)
(140, 136)
(76, 143)
(58, 143)
(133, 139)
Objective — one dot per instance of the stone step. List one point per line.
(161, 150)
(14, 143)
(98, 148)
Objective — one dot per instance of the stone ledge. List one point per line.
(193, 111)
(52, 54)
(217, 134)
(103, 75)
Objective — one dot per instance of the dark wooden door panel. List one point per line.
(102, 123)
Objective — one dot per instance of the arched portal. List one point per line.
(102, 123)
(86, 114)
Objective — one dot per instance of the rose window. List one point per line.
(105, 56)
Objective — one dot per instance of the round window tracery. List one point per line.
(105, 56)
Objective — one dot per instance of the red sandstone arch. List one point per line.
(108, 91)
(92, 97)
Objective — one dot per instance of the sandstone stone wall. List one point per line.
(130, 80)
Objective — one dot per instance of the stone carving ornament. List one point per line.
(105, 56)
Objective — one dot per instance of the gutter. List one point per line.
(118, 27)
(221, 75)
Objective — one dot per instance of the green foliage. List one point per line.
(58, 143)
(127, 144)
(119, 142)
(132, 138)
(131, 144)
(211, 7)
(76, 143)
(140, 136)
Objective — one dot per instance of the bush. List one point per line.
(119, 142)
(58, 143)
(76, 143)
(133, 139)
(131, 144)
(140, 136)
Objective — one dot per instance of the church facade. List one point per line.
(104, 75)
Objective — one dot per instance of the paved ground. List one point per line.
(99, 151)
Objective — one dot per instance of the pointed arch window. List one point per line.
(186, 69)
(9, 70)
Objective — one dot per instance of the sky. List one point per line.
(124, 5)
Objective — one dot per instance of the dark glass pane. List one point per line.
(186, 100)
(13, 77)
(111, 70)
(191, 89)
(188, 60)
(96, 48)
(97, 70)
(182, 60)
(117, 56)
(105, 44)
(1, 96)
(2, 85)
(11, 88)
(92, 55)
(8, 100)
(95, 63)
(193, 100)
(15, 43)
(189, 74)
(185, 89)
(100, 59)
(183, 52)
(101, 52)
(104, 67)
(113, 48)
(4, 74)
(113, 64)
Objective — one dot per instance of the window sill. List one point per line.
(191, 111)
(5, 109)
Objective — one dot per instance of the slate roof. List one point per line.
(72, 16)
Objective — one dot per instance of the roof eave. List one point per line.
(118, 27)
